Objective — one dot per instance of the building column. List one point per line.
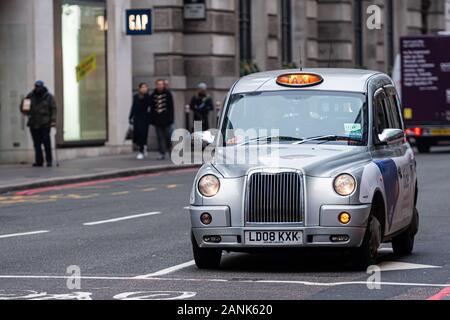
(26, 39)
(447, 15)
(119, 73)
(211, 51)
(335, 33)
(305, 48)
(436, 16)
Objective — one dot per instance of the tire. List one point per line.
(206, 258)
(423, 147)
(366, 255)
(403, 244)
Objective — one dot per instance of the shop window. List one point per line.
(83, 68)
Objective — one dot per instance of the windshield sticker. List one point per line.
(353, 130)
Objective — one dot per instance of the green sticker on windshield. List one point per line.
(353, 130)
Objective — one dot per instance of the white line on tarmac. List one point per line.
(304, 283)
(23, 234)
(122, 219)
(167, 271)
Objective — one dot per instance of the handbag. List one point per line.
(130, 133)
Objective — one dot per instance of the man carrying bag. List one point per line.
(40, 107)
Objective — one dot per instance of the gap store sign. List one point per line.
(139, 22)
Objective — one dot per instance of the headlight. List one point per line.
(344, 185)
(209, 185)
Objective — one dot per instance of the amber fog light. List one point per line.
(206, 218)
(345, 218)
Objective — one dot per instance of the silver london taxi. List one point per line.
(337, 173)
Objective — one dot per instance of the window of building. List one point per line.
(81, 41)
(245, 30)
(358, 29)
(286, 31)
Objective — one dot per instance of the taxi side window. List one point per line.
(381, 117)
(395, 118)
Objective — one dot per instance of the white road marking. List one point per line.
(304, 283)
(167, 271)
(155, 295)
(122, 218)
(23, 234)
(395, 266)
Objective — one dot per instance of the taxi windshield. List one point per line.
(294, 116)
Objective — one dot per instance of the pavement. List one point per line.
(128, 238)
(22, 177)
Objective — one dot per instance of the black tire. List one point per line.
(366, 255)
(423, 147)
(206, 258)
(403, 244)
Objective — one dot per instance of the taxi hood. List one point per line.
(314, 160)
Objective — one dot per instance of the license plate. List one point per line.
(440, 132)
(274, 237)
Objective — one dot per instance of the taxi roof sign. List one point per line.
(299, 80)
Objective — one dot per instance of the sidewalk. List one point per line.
(23, 177)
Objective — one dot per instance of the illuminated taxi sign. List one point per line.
(299, 80)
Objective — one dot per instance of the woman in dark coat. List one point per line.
(139, 118)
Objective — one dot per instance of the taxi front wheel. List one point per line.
(366, 254)
(206, 258)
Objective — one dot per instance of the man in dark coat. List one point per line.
(139, 118)
(40, 107)
(162, 117)
(202, 104)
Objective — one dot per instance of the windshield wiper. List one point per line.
(328, 138)
(271, 138)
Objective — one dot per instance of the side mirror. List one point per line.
(208, 137)
(391, 136)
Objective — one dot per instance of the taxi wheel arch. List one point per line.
(366, 254)
(379, 211)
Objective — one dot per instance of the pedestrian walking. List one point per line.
(40, 108)
(139, 119)
(202, 104)
(162, 117)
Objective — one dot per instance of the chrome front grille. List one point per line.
(275, 198)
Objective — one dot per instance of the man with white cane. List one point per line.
(40, 108)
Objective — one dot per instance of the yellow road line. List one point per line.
(122, 193)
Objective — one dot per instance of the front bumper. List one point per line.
(233, 238)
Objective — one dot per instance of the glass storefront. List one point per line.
(83, 26)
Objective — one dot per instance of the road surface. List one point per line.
(129, 238)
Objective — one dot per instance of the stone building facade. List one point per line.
(282, 33)
(46, 39)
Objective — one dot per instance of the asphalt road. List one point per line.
(129, 238)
